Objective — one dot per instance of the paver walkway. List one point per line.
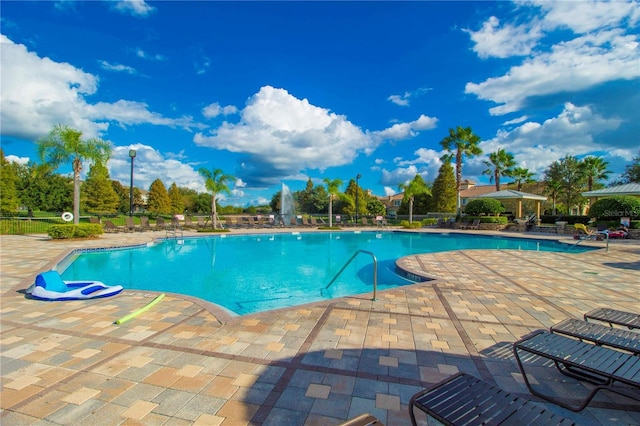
(183, 362)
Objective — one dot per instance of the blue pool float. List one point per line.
(49, 286)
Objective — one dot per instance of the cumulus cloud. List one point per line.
(149, 165)
(506, 41)
(579, 64)
(38, 93)
(138, 8)
(281, 135)
(585, 16)
(601, 49)
(18, 160)
(572, 132)
(388, 191)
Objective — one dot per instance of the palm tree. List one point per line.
(594, 169)
(415, 187)
(64, 144)
(553, 188)
(333, 188)
(461, 142)
(500, 163)
(216, 182)
(521, 175)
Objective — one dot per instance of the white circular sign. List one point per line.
(67, 216)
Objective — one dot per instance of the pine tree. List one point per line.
(444, 189)
(8, 177)
(98, 195)
(177, 204)
(159, 201)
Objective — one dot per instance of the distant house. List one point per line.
(469, 190)
(392, 203)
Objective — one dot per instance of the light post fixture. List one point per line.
(358, 176)
(132, 155)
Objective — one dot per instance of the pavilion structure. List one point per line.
(510, 194)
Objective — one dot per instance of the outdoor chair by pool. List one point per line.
(110, 227)
(188, 223)
(606, 368)
(144, 223)
(130, 225)
(599, 334)
(612, 316)
(463, 399)
(160, 225)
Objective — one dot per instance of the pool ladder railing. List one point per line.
(174, 232)
(375, 272)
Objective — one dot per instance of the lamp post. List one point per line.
(132, 155)
(358, 176)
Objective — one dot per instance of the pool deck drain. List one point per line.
(186, 362)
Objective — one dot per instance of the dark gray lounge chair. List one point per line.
(463, 399)
(599, 334)
(612, 316)
(599, 365)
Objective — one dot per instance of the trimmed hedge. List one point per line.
(571, 220)
(488, 206)
(413, 225)
(83, 230)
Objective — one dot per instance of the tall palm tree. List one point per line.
(64, 144)
(333, 188)
(415, 187)
(521, 175)
(594, 169)
(461, 142)
(216, 182)
(500, 163)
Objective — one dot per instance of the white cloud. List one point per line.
(402, 175)
(214, 110)
(572, 66)
(282, 135)
(388, 191)
(401, 131)
(493, 41)
(536, 145)
(403, 100)
(585, 16)
(138, 8)
(19, 160)
(515, 120)
(38, 93)
(117, 67)
(149, 165)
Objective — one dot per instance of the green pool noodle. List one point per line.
(141, 310)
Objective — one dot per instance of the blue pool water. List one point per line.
(253, 273)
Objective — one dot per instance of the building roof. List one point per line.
(510, 194)
(474, 191)
(626, 189)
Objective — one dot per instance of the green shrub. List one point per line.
(413, 225)
(484, 206)
(430, 221)
(83, 230)
(613, 208)
(501, 220)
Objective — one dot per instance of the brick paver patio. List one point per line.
(186, 362)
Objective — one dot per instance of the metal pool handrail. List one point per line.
(375, 271)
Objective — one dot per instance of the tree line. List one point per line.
(37, 187)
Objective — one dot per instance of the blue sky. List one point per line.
(274, 92)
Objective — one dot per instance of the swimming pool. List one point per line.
(253, 273)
